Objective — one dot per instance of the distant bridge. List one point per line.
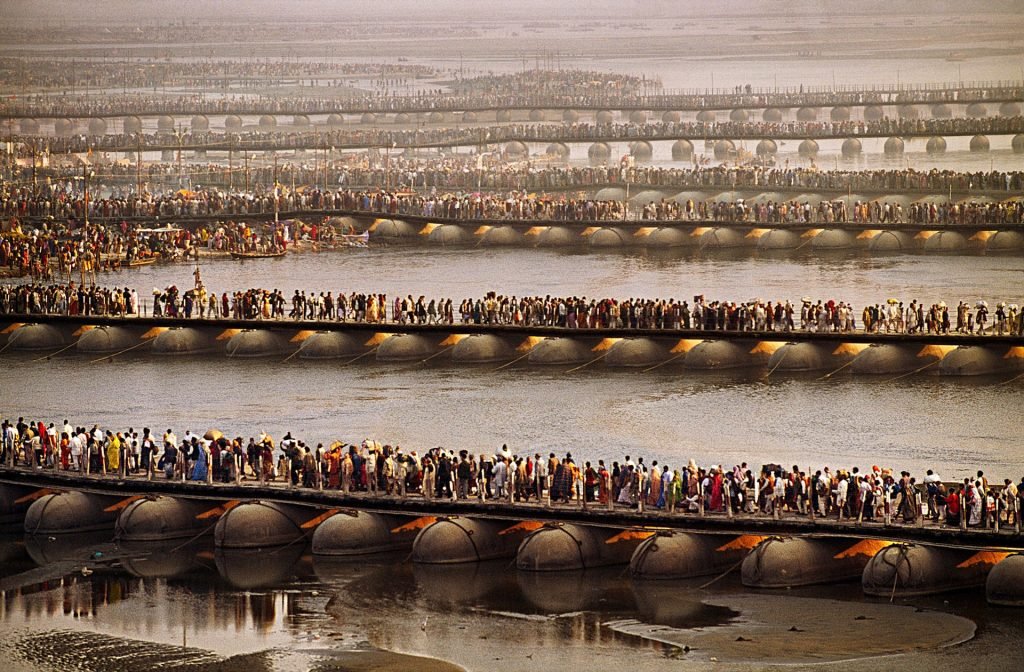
(938, 97)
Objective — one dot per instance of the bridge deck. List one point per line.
(526, 224)
(595, 514)
(310, 140)
(518, 331)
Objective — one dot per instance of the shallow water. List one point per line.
(284, 610)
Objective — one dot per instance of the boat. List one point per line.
(135, 263)
(256, 255)
(355, 240)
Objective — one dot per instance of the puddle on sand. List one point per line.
(808, 630)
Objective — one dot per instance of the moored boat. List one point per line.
(256, 255)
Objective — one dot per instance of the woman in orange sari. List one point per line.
(65, 451)
(333, 458)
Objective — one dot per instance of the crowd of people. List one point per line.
(384, 470)
(61, 203)
(561, 88)
(472, 135)
(57, 252)
(235, 74)
(470, 173)
(820, 316)
(68, 299)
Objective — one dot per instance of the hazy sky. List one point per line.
(150, 11)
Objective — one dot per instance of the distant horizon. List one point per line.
(149, 12)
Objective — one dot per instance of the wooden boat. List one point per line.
(358, 240)
(354, 240)
(256, 255)
(135, 263)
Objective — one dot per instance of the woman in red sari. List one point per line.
(716, 491)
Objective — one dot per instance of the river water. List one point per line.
(193, 608)
(954, 425)
(190, 607)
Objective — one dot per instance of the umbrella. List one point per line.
(806, 299)
(981, 304)
(892, 301)
(213, 434)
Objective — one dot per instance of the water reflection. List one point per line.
(603, 588)
(576, 600)
(263, 568)
(14, 556)
(78, 547)
(157, 592)
(163, 560)
(244, 601)
(468, 585)
(676, 604)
